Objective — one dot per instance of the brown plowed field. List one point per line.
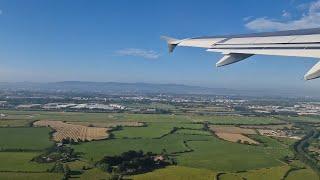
(73, 131)
(234, 134)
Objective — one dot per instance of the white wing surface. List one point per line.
(299, 43)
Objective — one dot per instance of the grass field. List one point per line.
(172, 143)
(276, 173)
(94, 174)
(266, 174)
(29, 176)
(229, 176)
(77, 171)
(221, 155)
(109, 117)
(232, 120)
(177, 173)
(152, 130)
(21, 161)
(14, 122)
(24, 138)
(199, 154)
(209, 152)
(118, 117)
(304, 174)
(193, 131)
(312, 119)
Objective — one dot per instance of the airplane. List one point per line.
(235, 48)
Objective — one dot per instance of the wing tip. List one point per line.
(172, 42)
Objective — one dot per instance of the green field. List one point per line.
(209, 152)
(304, 174)
(152, 130)
(29, 176)
(276, 173)
(312, 119)
(118, 117)
(177, 173)
(193, 131)
(266, 174)
(229, 176)
(198, 153)
(24, 138)
(236, 120)
(21, 161)
(172, 143)
(221, 155)
(14, 122)
(94, 173)
(108, 117)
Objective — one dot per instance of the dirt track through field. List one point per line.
(72, 131)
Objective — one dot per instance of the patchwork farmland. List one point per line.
(216, 152)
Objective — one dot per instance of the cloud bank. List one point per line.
(309, 19)
(147, 54)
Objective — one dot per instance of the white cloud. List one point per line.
(147, 54)
(286, 14)
(309, 19)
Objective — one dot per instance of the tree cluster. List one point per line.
(57, 154)
(132, 162)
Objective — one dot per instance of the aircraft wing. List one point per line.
(299, 43)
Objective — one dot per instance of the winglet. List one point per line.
(172, 42)
(313, 73)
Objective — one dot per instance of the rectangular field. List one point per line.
(177, 173)
(236, 138)
(219, 155)
(232, 120)
(231, 129)
(152, 130)
(21, 161)
(25, 138)
(30, 176)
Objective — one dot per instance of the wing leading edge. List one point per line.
(235, 48)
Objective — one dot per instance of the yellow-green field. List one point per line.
(177, 173)
(21, 161)
(29, 176)
(303, 174)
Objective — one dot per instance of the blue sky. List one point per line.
(55, 40)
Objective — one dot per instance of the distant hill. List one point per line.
(142, 88)
(113, 87)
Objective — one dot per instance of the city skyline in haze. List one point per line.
(119, 41)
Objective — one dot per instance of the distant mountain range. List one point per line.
(137, 88)
(111, 87)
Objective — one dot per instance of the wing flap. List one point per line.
(231, 58)
(314, 53)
